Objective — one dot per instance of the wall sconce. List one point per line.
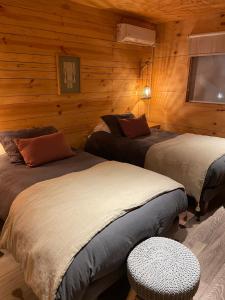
(146, 92)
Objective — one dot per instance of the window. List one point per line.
(207, 79)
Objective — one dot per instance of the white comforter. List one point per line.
(186, 158)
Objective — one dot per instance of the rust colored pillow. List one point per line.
(133, 128)
(7, 140)
(113, 123)
(43, 149)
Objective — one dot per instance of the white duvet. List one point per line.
(186, 158)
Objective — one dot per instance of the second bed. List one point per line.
(187, 158)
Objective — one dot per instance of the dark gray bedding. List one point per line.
(134, 150)
(124, 149)
(106, 253)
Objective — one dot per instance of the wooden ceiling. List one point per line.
(161, 10)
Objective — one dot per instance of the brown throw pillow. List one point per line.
(7, 140)
(113, 123)
(44, 149)
(133, 128)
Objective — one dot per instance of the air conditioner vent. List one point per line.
(131, 34)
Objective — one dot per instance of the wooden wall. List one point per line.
(170, 75)
(31, 34)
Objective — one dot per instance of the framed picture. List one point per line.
(68, 73)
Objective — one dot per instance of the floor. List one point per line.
(206, 240)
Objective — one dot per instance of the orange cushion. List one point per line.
(43, 149)
(133, 128)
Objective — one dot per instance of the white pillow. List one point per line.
(2, 151)
(101, 126)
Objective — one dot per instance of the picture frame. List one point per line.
(68, 74)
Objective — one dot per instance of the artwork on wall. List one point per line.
(68, 69)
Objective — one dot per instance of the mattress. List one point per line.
(106, 253)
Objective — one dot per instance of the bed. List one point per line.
(135, 151)
(101, 262)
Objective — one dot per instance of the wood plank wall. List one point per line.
(170, 75)
(31, 34)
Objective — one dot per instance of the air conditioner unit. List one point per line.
(131, 34)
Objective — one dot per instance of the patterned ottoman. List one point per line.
(163, 269)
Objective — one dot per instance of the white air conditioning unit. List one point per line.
(131, 34)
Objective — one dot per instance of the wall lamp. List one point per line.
(145, 80)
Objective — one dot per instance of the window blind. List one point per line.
(207, 44)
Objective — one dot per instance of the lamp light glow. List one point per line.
(220, 95)
(147, 92)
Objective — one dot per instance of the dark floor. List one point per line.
(118, 291)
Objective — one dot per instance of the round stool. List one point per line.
(163, 269)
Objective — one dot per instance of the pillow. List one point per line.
(133, 128)
(43, 149)
(7, 140)
(101, 126)
(113, 124)
(2, 151)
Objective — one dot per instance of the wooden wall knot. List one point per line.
(31, 83)
(220, 109)
(4, 41)
(60, 109)
(65, 6)
(2, 10)
(20, 65)
(63, 49)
